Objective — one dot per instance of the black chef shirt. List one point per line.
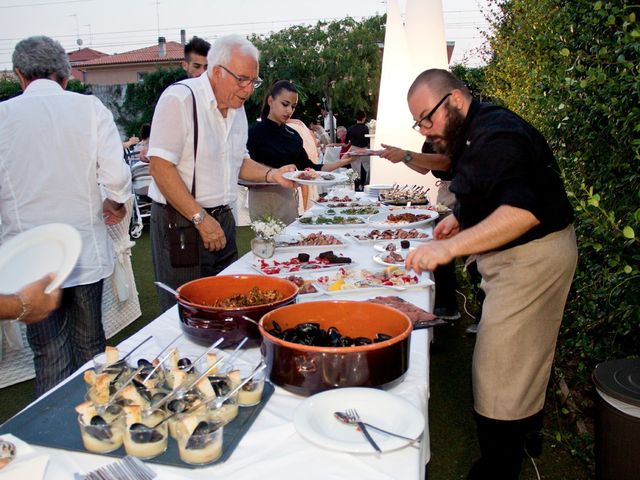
(278, 145)
(500, 159)
(356, 135)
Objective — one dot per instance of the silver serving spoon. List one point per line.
(178, 295)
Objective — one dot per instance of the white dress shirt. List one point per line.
(222, 142)
(56, 148)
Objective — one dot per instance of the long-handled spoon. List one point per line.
(219, 401)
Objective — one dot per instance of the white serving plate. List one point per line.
(294, 269)
(337, 178)
(301, 248)
(351, 235)
(315, 421)
(379, 220)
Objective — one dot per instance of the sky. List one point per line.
(114, 26)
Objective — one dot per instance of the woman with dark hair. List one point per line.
(275, 144)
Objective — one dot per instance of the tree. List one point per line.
(140, 98)
(333, 64)
(571, 68)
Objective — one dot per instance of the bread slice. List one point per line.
(101, 388)
(89, 376)
(112, 355)
(133, 414)
(87, 411)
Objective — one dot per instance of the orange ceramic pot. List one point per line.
(205, 324)
(306, 370)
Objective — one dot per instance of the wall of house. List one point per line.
(120, 74)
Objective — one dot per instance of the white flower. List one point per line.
(268, 227)
(351, 175)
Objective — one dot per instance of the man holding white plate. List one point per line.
(59, 149)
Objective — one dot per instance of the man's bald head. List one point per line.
(440, 82)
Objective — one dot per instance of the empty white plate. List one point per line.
(315, 421)
(29, 256)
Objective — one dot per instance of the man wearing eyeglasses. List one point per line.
(513, 217)
(201, 187)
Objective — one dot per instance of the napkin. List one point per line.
(28, 464)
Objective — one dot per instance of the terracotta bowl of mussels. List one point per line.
(215, 307)
(315, 346)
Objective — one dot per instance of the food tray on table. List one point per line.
(53, 423)
(351, 280)
(330, 221)
(378, 235)
(404, 218)
(287, 264)
(331, 198)
(351, 211)
(310, 241)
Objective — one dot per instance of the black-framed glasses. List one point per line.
(243, 82)
(425, 122)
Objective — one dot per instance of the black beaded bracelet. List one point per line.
(267, 175)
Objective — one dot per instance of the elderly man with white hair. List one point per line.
(58, 149)
(197, 151)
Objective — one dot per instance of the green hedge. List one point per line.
(571, 68)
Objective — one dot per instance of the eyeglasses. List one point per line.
(425, 122)
(243, 81)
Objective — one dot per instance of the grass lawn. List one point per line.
(452, 431)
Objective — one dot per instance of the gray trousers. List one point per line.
(69, 337)
(211, 263)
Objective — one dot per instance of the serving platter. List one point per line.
(327, 221)
(350, 280)
(53, 422)
(286, 242)
(385, 219)
(352, 211)
(287, 264)
(377, 235)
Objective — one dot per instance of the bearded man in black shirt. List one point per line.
(512, 215)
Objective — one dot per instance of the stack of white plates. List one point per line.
(375, 190)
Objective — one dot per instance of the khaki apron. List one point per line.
(274, 200)
(526, 290)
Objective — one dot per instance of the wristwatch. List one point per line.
(198, 218)
(407, 157)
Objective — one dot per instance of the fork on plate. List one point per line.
(351, 415)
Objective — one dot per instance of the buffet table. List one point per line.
(272, 448)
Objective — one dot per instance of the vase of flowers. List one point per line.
(352, 176)
(263, 245)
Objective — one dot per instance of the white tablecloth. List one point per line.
(272, 449)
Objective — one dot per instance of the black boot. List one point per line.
(502, 446)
